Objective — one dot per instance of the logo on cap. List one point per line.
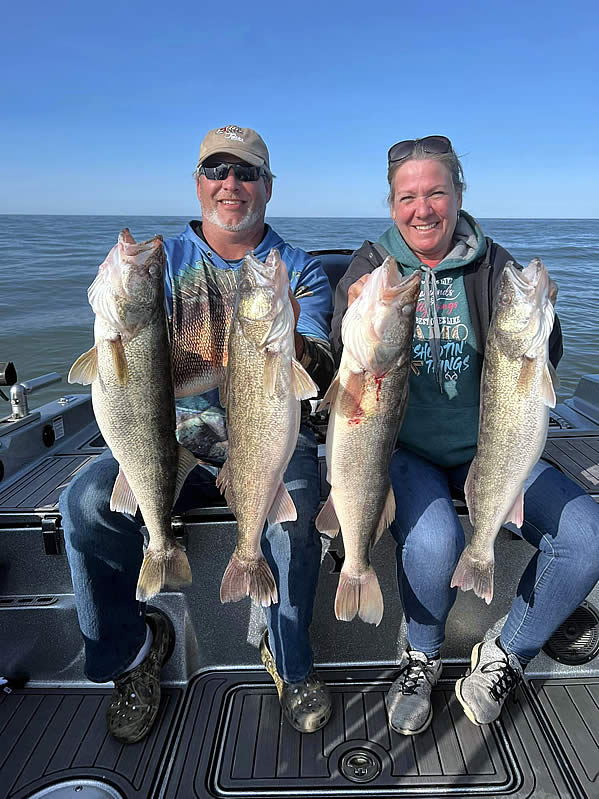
(230, 132)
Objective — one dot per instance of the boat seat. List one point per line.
(335, 263)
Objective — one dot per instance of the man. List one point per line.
(122, 643)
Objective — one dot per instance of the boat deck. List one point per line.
(224, 736)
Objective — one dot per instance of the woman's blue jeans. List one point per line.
(560, 521)
(105, 551)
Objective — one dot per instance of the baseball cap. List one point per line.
(242, 142)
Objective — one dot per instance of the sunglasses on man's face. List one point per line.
(430, 144)
(243, 172)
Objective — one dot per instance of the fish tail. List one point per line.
(475, 573)
(160, 568)
(361, 595)
(251, 578)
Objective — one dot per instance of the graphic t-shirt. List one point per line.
(200, 294)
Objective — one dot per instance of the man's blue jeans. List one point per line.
(105, 551)
(560, 521)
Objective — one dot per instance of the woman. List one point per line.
(460, 273)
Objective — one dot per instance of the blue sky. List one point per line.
(103, 110)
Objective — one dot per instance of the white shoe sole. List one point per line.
(474, 661)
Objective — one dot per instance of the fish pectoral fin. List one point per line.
(350, 399)
(516, 514)
(327, 521)
(526, 377)
(283, 507)
(549, 386)
(85, 368)
(223, 479)
(271, 372)
(387, 515)
(187, 463)
(330, 394)
(123, 499)
(119, 360)
(302, 385)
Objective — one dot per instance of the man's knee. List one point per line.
(85, 502)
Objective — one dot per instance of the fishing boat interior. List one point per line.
(220, 732)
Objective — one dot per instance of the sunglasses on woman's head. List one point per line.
(430, 144)
(246, 173)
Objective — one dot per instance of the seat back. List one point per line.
(335, 263)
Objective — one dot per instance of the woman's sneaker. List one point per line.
(409, 699)
(495, 674)
(305, 704)
(136, 696)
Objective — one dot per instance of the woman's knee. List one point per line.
(438, 546)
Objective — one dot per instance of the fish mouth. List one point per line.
(406, 287)
(530, 280)
(532, 288)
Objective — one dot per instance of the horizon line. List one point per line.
(186, 216)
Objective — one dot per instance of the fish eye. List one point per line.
(505, 298)
(407, 309)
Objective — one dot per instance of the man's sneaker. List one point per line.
(494, 675)
(306, 704)
(136, 697)
(409, 698)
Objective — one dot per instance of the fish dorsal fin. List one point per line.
(122, 498)
(85, 368)
(302, 385)
(330, 394)
(327, 521)
(283, 507)
(187, 462)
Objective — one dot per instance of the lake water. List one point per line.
(47, 263)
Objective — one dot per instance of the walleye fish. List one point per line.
(265, 384)
(368, 398)
(516, 392)
(129, 368)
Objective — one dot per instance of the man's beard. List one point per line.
(252, 217)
